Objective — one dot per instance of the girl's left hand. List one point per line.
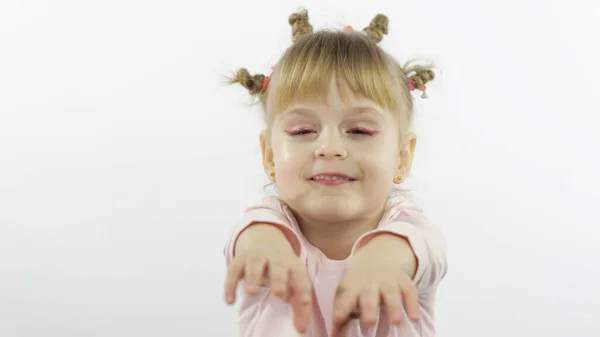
(376, 278)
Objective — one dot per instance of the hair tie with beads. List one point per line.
(265, 82)
(351, 29)
(411, 85)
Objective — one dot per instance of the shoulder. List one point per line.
(400, 206)
(270, 209)
(271, 202)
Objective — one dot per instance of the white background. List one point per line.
(125, 160)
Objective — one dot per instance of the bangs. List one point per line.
(359, 66)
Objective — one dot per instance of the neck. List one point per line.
(336, 238)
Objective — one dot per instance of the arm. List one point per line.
(405, 249)
(263, 224)
(406, 228)
(262, 234)
(398, 251)
(263, 252)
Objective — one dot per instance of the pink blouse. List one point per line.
(266, 315)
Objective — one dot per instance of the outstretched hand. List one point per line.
(377, 277)
(277, 268)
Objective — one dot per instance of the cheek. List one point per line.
(287, 157)
(381, 146)
(381, 160)
(289, 164)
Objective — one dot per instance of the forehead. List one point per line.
(339, 98)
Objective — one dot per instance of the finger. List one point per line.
(301, 298)
(287, 295)
(300, 282)
(345, 302)
(278, 278)
(411, 300)
(234, 274)
(369, 304)
(254, 274)
(302, 311)
(341, 330)
(392, 299)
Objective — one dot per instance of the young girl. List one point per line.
(335, 254)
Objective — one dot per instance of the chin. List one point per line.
(333, 208)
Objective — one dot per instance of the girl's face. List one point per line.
(336, 160)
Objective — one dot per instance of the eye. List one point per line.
(303, 132)
(360, 131)
(300, 132)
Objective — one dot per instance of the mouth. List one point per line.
(332, 178)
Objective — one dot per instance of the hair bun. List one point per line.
(253, 83)
(300, 25)
(421, 77)
(378, 27)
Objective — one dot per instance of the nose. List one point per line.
(330, 147)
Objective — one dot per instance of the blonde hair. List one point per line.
(305, 70)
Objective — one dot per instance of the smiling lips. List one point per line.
(332, 178)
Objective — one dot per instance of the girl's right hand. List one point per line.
(277, 267)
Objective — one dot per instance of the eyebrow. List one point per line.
(298, 111)
(365, 109)
(355, 110)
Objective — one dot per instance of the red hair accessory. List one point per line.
(411, 86)
(351, 29)
(264, 84)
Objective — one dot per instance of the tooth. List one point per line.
(330, 178)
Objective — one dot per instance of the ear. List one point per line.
(267, 155)
(405, 158)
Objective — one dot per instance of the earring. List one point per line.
(272, 175)
(399, 178)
